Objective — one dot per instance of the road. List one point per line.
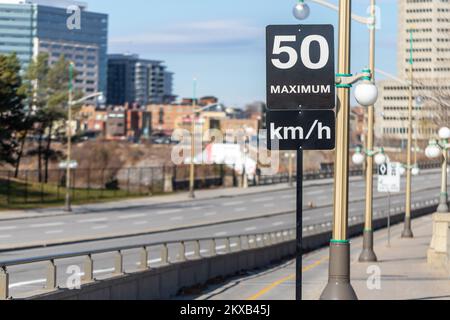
(184, 217)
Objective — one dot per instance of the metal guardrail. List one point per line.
(241, 242)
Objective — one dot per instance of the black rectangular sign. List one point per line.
(301, 130)
(300, 67)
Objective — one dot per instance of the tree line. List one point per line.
(33, 103)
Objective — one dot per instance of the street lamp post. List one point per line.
(69, 138)
(407, 231)
(368, 254)
(339, 287)
(434, 150)
(70, 104)
(192, 164)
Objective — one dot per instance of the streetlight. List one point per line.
(434, 150)
(411, 170)
(339, 286)
(71, 103)
(192, 164)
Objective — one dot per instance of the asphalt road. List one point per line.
(178, 215)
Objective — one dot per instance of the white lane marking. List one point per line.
(234, 203)
(176, 219)
(131, 216)
(263, 199)
(220, 234)
(54, 231)
(167, 211)
(287, 197)
(210, 214)
(269, 205)
(5, 236)
(8, 228)
(45, 225)
(139, 223)
(314, 192)
(306, 218)
(250, 229)
(276, 224)
(329, 214)
(99, 227)
(240, 209)
(92, 220)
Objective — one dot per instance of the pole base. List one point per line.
(191, 195)
(407, 232)
(339, 286)
(443, 204)
(368, 254)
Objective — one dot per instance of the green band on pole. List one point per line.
(344, 75)
(343, 86)
(368, 230)
(339, 241)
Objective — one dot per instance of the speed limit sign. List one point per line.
(300, 67)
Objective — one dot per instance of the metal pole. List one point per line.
(368, 254)
(299, 246)
(69, 137)
(443, 199)
(389, 219)
(339, 287)
(192, 164)
(407, 232)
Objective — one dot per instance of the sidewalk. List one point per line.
(403, 273)
(155, 200)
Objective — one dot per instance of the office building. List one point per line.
(134, 80)
(29, 27)
(429, 21)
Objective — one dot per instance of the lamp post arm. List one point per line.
(360, 19)
(97, 94)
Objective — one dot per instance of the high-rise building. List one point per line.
(29, 27)
(428, 21)
(134, 80)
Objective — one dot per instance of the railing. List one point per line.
(238, 242)
(116, 183)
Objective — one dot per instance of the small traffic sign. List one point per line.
(301, 130)
(72, 164)
(300, 67)
(389, 178)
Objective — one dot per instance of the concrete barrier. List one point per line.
(166, 282)
(439, 252)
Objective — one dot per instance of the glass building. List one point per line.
(134, 80)
(29, 27)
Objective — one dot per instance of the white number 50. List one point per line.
(304, 52)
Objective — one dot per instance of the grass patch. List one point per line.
(15, 194)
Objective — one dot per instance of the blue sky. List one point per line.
(221, 43)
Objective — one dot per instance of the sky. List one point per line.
(222, 43)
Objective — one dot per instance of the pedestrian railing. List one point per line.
(201, 247)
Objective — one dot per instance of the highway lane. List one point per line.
(32, 277)
(186, 214)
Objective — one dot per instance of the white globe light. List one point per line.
(380, 159)
(301, 11)
(415, 171)
(432, 151)
(358, 158)
(366, 94)
(402, 170)
(444, 133)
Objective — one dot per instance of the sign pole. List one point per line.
(299, 245)
(389, 219)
